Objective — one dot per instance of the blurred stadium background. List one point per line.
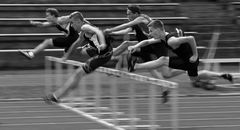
(23, 78)
(199, 18)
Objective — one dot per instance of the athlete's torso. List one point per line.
(184, 51)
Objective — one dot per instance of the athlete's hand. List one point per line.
(107, 31)
(64, 58)
(35, 23)
(193, 58)
(132, 49)
(32, 22)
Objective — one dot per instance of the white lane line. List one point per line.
(21, 102)
(140, 126)
(197, 119)
(210, 96)
(20, 99)
(38, 117)
(182, 103)
(95, 119)
(207, 126)
(28, 107)
(7, 112)
(190, 113)
(209, 102)
(46, 123)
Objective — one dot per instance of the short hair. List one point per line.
(134, 8)
(156, 24)
(77, 15)
(53, 11)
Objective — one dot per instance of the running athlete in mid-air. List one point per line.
(99, 49)
(138, 22)
(186, 55)
(62, 23)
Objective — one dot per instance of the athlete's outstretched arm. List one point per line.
(41, 24)
(60, 20)
(122, 32)
(143, 43)
(126, 25)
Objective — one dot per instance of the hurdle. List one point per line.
(55, 78)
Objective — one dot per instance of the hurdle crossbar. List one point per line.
(120, 73)
(117, 73)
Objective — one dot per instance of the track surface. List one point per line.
(195, 112)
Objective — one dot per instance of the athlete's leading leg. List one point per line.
(30, 54)
(162, 61)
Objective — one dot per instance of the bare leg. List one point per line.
(123, 47)
(152, 64)
(156, 74)
(210, 75)
(119, 50)
(119, 64)
(71, 83)
(45, 44)
(30, 54)
(169, 72)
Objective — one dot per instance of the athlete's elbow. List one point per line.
(191, 38)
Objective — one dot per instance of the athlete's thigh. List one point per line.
(99, 60)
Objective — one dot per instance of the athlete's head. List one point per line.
(76, 19)
(51, 14)
(156, 29)
(133, 11)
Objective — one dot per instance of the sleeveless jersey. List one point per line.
(94, 42)
(184, 51)
(141, 29)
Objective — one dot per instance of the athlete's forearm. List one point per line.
(119, 27)
(193, 45)
(142, 44)
(101, 39)
(40, 24)
(122, 32)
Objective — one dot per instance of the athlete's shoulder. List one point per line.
(87, 26)
(170, 35)
(145, 17)
(63, 20)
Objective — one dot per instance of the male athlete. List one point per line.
(62, 24)
(138, 22)
(186, 55)
(99, 49)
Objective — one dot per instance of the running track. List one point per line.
(196, 113)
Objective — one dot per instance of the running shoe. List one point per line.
(165, 96)
(131, 61)
(228, 77)
(50, 99)
(27, 54)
